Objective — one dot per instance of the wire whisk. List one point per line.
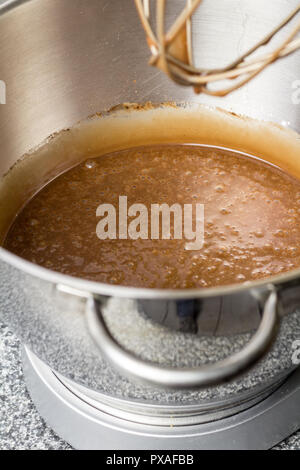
(172, 50)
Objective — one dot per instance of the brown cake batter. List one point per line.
(251, 219)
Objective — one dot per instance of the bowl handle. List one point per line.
(129, 364)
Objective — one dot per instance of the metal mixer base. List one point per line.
(79, 421)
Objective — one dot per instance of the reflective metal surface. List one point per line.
(79, 57)
(168, 377)
(91, 421)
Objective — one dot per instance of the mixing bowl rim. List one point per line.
(85, 288)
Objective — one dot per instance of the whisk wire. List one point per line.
(172, 51)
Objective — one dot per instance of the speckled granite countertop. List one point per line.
(21, 427)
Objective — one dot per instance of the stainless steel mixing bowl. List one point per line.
(63, 60)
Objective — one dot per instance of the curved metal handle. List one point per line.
(128, 364)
